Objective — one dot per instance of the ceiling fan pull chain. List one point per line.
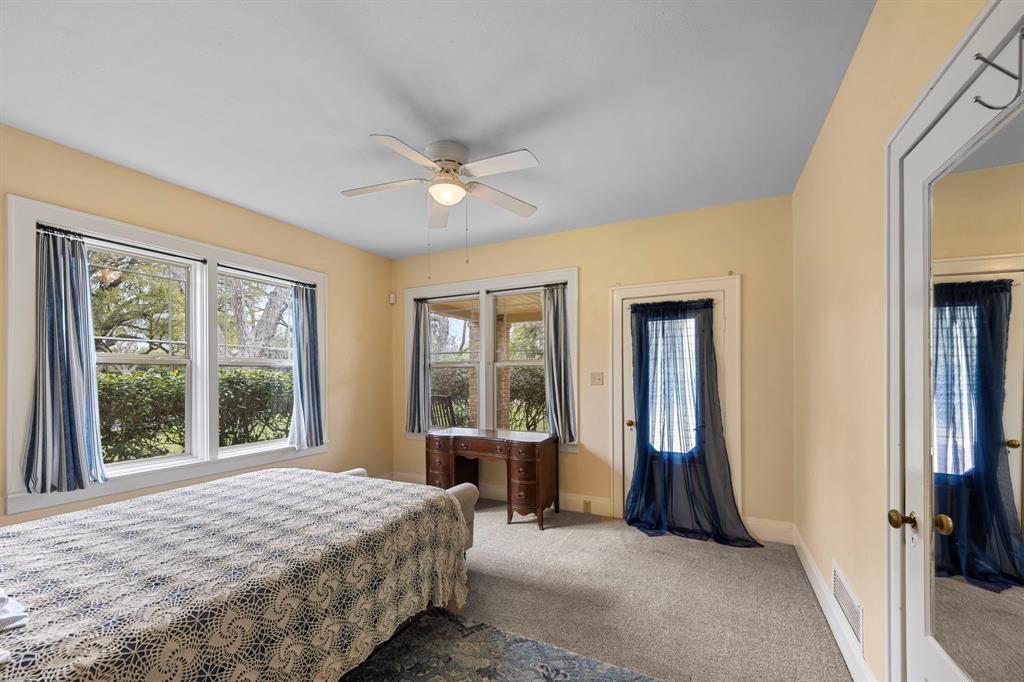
(428, 252)
(467, 232)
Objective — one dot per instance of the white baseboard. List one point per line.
(769, 530)
(848, 645)
(601, 506)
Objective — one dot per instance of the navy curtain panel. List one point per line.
(63, 451)
(682, 483)
(972, 479)
(307, 427)
(417, 416)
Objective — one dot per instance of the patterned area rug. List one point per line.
(440, 646)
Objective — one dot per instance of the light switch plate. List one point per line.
(597, 378)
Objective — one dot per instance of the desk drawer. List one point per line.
(522, 494)
(437, 444)
(439, 480)
(484, 446)
(438, 462)
(522, 451)
(523, 470)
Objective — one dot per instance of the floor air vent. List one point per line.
(848, 604)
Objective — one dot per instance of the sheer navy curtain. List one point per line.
(681, 478)
(972, 478)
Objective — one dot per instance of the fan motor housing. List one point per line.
(447, 150)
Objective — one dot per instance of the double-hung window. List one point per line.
(520, 402)
(254, 351)
(141, 316)
(485, 350)
(194, 353)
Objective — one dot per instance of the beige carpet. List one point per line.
(983, 631)
(667, 607)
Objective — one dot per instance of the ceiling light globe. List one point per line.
(446, 192)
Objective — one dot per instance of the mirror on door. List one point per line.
(977, 376)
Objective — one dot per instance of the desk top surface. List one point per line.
(520, 436)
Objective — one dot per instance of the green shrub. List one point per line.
(142, 409)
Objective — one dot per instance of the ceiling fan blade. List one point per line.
(369, 189)
(502, 163)
(499, 198)
(399, 147)
(438, 213)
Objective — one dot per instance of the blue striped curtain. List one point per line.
(64, 439)
(417, 418)
(558, 365)
(307, 428)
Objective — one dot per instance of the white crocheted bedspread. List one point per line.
(282, 574)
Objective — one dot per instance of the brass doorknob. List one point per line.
(898, 520)
(630, 423)
(943, 524)
(1013, 443)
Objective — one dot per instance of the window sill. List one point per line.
(167, 471)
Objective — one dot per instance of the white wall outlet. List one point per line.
(597, 378)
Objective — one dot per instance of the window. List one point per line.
(520, 400)
(672, 374)
(193, 350)
(486, 350)
(140, 315)
(254, 350)
(955, 354)
(455, 363)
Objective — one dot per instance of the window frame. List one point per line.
(248, 448)
(487, 372)
(462, 364)
(186, 360)
(205, 458)
(497, 365)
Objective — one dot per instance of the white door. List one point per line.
(724, 292)
(945, 125)
(1013, 408)
(937, 135)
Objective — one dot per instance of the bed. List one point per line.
(281, 574)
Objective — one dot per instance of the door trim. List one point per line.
(989, 29)
(729, 286)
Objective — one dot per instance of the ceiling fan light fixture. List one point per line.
(447, 190)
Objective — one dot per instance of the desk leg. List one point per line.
(540, 519)
(508, 511)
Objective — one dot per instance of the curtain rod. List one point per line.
(441, 298)
(489, 291)
(296, 282)
(535, 286)
(64, 232)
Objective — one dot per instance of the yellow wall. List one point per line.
(979, 213)
(750, 238)
(839, 298)
(359, 366)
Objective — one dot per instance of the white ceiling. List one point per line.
(634, 109)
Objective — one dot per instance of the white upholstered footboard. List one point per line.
(466, 493)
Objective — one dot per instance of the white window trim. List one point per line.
(206, 458)
(479, 288)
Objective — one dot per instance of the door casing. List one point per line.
(729, 361)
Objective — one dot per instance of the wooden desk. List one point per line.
(531, 461)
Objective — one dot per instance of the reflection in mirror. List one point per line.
(978, 418)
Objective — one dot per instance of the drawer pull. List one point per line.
(497, 449)
(522, 451)
(522, 495)
(464, 446)
(437, 461)
(522, 470)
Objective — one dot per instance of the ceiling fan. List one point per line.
(447, 160)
